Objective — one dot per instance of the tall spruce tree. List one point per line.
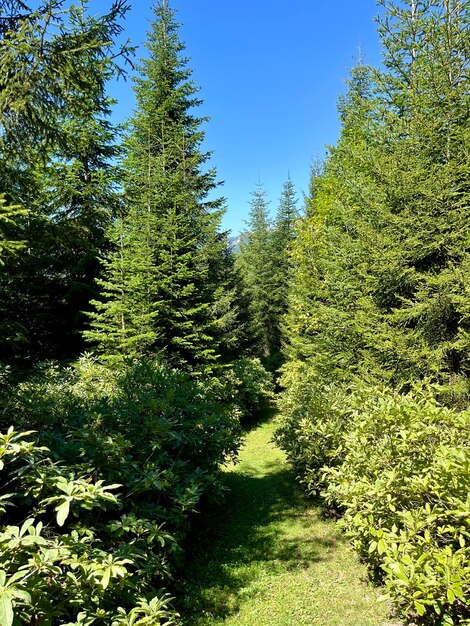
(379, 287)
(282, 239)
(255, 264)
(56, 150)
(426, 177)
(170, 213)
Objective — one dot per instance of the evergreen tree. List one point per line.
(41, 67)
(255, 264)
(282, 239)
(8, 217)
(55, 155)
(378, 288)
(123, 322)
(167, 189)
(426, 177)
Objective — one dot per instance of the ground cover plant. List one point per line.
(267, 555)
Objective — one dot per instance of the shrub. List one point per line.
(104, 494)
(59, 559)
(404, 490)
(245, 385)
(311, 424)
(253, 388)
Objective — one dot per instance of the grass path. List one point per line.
(267, 558)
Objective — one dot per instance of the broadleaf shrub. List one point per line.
(311, 426)
(244, 384)
(95, 505)
(400, 475)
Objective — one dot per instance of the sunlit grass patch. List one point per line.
(266, 557)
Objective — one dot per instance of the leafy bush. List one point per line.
(311, 425)
(53, 567)
(404, 489)
(245, 385)
(95, 509)
(397, 466)
(253, 386)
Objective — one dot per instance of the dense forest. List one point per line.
(136, 342)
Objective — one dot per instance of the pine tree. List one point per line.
(167, 189)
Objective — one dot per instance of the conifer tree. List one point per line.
(379, 289)
(167, 189)
(282, 239)
(41, 67)
(325, 326)
(426, 177)
(123, 321)
(255, 264)
(56, 150)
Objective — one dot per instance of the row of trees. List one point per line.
(377, 329)
(118, 244)
(112, 240)
(108, 240)
(265, 268)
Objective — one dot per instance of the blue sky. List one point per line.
(270, 74)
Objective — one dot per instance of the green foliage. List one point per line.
(57, 160)
(122, 324)
(248, 385)
(397, 468)
(377, 285)
(8, 217)
(47, 574)
(254, 262)
(376, 331)
(94, 511)
(403, 488)
(168, 267)
(40, 69)
(312, 422)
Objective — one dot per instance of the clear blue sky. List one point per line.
(270, 73)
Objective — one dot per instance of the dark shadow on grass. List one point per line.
(231, 537)
(259, 416)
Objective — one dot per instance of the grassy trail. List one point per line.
(267, 558)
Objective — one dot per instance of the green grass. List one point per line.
(266, 557)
